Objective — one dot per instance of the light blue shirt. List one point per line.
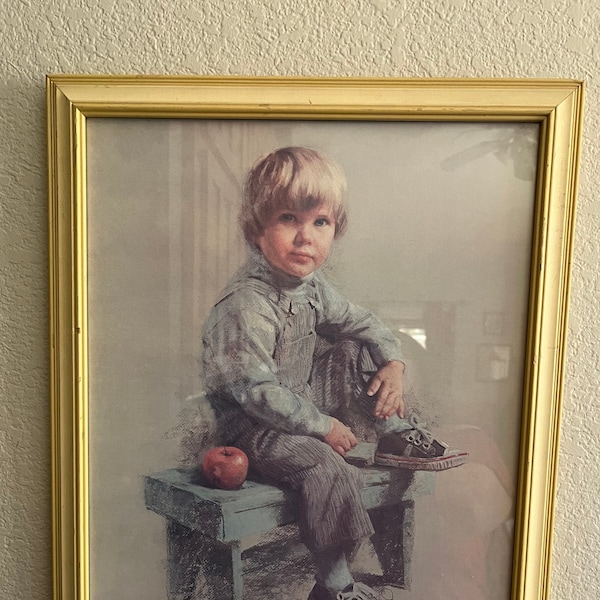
(240, 340)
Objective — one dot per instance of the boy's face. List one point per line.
(298, 242)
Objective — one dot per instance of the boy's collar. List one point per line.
(276, 276)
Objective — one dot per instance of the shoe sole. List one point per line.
(441, 463)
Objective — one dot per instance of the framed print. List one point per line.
(239, 266)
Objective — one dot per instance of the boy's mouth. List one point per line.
(301, 257)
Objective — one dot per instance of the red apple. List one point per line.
(225, 467)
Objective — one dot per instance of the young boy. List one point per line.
(287, 359)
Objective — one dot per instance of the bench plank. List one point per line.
(213, 535)
(257, 508)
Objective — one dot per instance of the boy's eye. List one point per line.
(321, 222)
(286, 218)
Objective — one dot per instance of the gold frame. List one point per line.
(556, 104)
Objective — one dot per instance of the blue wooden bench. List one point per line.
(213, 535)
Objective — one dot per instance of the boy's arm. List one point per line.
(339, 318)
(238, 365)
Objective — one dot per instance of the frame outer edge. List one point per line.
(573, 116)
(73, 98)
(551, 263)
(63, 351)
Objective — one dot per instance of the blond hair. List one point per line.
(294, 178)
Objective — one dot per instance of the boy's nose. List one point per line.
(302, 235)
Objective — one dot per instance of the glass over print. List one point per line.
(440, 226)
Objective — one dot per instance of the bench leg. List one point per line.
(393, 541)
(202, 569)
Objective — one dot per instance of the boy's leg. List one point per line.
(331, 512)
(333, 572)
(340, 377)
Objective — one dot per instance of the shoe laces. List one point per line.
(419, 435)
(360, 591)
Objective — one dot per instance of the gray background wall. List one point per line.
(163, 240)
(308, 37)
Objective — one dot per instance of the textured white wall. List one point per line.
(483, 38)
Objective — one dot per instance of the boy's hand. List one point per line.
(387, 384)
(340, 437)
